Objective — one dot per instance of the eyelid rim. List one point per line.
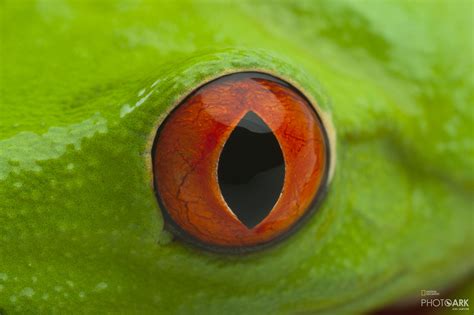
(329, 135)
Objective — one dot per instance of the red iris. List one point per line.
(240, 162)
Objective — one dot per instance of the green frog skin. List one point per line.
(84, 86)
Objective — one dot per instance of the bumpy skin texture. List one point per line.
(84, 85)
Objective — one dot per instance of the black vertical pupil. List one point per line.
(251, 170)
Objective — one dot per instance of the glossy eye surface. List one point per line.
(240, 163)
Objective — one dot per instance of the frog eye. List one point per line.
(240, 163)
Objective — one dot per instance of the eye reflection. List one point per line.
(240, 163)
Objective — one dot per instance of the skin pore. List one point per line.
(84, 87)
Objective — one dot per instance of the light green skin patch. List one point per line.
(83, 86)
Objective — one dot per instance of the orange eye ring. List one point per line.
(204, 155)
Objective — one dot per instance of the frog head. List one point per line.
(85, 88)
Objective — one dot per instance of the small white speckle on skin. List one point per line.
(126, 108)
(70, 166)
(451, 126)
(82, 295)
(34, 279)
(101, 286)
(155, 83)
(28, 292)
(18, 184)
(3, 277)
(58, 288)
(70, 283)
(143, 99)
(13, 299)
(45, 296)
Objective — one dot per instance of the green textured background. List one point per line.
(83, 85)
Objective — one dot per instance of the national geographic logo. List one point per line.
(430, 299)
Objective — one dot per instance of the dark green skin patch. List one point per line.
(84, 86)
